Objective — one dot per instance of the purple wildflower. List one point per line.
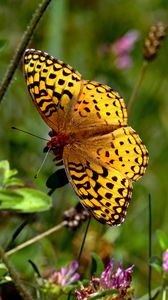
(122, 47)
(122, 278)
(66, 276)
(125, 43)
(123, 61)
(105, 281)
(165, 261)
(110, 279)
(119, 279)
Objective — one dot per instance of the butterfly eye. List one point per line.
(52, 133)
(54, 148)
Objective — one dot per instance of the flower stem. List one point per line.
(36, 238)
(150, 249)
(20, 287)
(22, 46)
(84, 239)
(137, 86)
(81, 249)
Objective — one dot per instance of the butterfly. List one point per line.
(102, 155)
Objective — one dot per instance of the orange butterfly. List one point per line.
(102, 155)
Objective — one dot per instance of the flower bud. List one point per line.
(153, 41)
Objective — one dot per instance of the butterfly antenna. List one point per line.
(42, 164)
(32, 134)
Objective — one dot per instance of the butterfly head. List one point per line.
(57, 143)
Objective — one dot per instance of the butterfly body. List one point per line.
(102, 155)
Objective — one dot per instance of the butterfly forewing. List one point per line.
(52, 85)
(98, 103)
(61, 96)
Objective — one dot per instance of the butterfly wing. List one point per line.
(65, 101)
(52, 85)
(122, 150)
(104, 191)
(98, 106)
(101, 170)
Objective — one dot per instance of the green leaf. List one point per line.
(163, 239)
(6, 173)
(5, 280)
(4, 165)
(24, 200)
(97, 264)
(17, 182)
(3, 270)
(4, 277)
(156, 263)
(35, 268)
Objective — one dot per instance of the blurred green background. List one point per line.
(76, 32)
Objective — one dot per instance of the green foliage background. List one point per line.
(73, 31)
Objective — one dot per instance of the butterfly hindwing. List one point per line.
(104, 191)
(121, 150)
(102, 177)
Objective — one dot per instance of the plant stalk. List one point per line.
(150, 249)
(19, 285)
(22, 46)
(36, 238)
(84, 239)
(81, 248)
(137, 86)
